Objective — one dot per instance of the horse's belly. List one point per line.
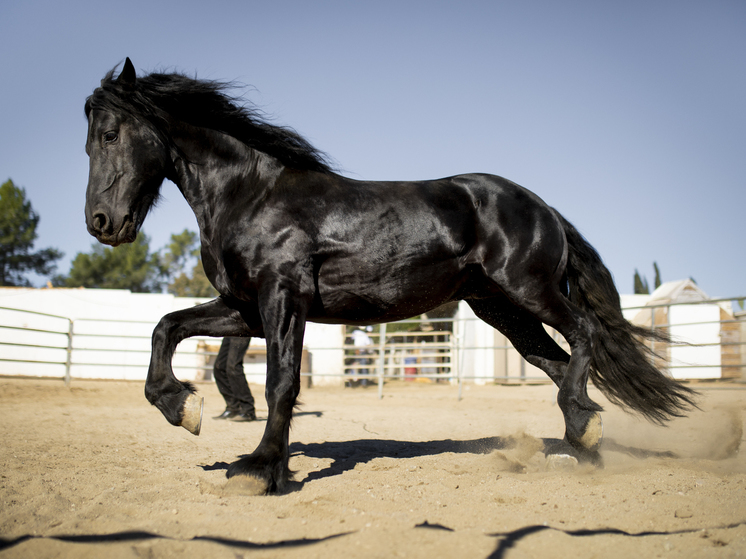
(384, 293)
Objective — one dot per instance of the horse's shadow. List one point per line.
(346, 455)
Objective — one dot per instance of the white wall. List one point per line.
(112, 335)
(482, 358)
(700, 362)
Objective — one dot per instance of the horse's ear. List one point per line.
(128, 76)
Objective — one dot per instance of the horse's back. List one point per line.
(398, 249)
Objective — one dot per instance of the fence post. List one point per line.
(69, 360)
(455, 355)
(381, 357)
(460, 326)
(460, 337)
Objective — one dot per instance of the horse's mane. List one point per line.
(206, 103)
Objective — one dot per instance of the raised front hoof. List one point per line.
(267, 475)
(191, 418)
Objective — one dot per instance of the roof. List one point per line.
(680, 291)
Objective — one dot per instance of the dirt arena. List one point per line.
(95, 471)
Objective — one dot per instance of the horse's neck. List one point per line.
(209, 168)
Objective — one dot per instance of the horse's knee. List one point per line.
(164, 332)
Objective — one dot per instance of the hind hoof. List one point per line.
(561, 462)
(594, 432)
(191, 419)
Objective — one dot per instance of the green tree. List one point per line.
(177, 267)
(181, 266)
(641, 282)
(18, 222)
(641, 285)
(183, 248)
(128, 266)
(195, 284)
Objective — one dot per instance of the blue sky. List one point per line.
(628, 117)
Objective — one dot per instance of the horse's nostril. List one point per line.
(99, 222)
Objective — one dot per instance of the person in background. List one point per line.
(362, 343)
(231, 381)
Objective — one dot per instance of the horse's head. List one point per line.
(128, 161)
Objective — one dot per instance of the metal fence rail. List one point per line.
(43, 344)
(65, 343)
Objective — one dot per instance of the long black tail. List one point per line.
(622, 363)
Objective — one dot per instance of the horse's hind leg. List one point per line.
(526, 333)
(583, 428)
(522, 325)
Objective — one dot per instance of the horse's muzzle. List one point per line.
(102, 227)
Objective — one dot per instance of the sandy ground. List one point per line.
(95, 471)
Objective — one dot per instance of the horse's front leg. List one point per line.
(284, 325)
(177, 400)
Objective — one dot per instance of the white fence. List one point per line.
(422, 350)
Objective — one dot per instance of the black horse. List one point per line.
(286, 240)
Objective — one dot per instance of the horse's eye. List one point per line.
(110, 137)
